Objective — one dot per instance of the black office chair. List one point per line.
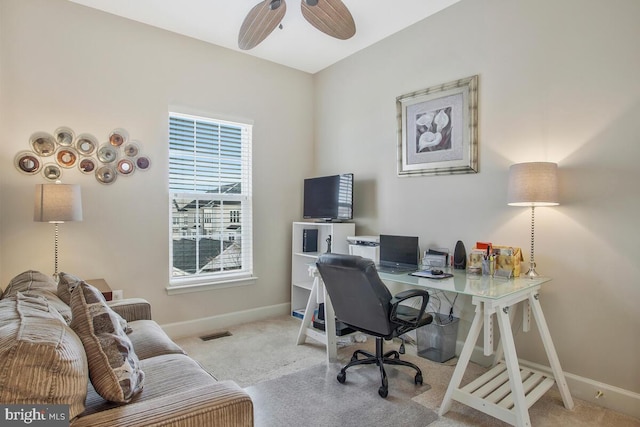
(362, 301)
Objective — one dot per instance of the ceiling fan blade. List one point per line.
(259, 23)
(331, 17)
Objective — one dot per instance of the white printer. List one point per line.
(365, 246)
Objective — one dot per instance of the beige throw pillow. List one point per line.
(35, 283)
(114, 368)
(42, 361)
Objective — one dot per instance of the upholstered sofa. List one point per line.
(63, 344)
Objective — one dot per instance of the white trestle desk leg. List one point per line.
(551, 351)
(520, 409)
(308, 312)
(499, 351)
(330, 327)
(463, 360)
(328, 337)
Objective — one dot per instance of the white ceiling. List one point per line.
(297, 45)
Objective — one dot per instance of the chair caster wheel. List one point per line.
(342, 377)
(418, 379)
(383, 391)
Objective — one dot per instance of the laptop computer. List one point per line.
(398, 254)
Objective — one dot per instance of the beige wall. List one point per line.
(558, 82)
(67, 65)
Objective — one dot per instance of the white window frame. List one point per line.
(221, 279)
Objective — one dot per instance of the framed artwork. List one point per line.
(438, 129)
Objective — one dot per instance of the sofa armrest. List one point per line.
(221, 404)
(132, 309)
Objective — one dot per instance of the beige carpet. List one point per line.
(261, 351)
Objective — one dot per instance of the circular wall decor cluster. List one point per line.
(51, 154)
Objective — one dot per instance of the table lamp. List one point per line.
(57, 203)
(533, 184)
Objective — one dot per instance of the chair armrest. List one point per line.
(403, 296)
(132, 309)
(221, 404)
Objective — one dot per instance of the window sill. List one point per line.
(210, 286)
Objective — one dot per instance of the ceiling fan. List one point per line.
(329, 16)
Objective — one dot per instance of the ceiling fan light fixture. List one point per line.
(275, 4)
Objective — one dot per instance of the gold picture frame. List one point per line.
(438, 129)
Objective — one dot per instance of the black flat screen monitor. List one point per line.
(329, 198)
(398, 253)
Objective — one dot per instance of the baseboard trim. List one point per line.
(206, 325)
(600, 394)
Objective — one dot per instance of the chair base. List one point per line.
(380, 359)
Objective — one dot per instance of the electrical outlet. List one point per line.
(117, 295)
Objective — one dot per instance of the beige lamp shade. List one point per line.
(57, 203)
(533, 184)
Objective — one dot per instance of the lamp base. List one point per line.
(532, 273)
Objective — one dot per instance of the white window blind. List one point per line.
(210, 200)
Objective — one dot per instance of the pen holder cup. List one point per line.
(488, 267)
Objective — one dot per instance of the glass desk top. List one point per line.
(468, 284)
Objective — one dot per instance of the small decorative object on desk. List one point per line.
(329, 244)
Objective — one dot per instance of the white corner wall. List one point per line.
(558, 81)
(67, 65)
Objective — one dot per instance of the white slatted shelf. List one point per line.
(491, 392)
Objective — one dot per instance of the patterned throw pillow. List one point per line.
(114, 368)
(66, 284)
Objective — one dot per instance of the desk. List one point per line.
(506, 391)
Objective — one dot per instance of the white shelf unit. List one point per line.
(301, 281)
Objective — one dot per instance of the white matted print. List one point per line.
(437, 129)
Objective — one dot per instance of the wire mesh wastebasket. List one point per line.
(437, 340)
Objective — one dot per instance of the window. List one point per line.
(210, 197)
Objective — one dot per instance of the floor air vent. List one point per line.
(215, 336)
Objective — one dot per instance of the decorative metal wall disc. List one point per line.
(106, 175)
(143, 163)
(64, 136)
(132, 149)
(125, 167)
(107, 153)
(87, 165)
(27, 162)
(117, 137)
(43, 144)
(52, 172)
(86, 144)
(66, 157)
